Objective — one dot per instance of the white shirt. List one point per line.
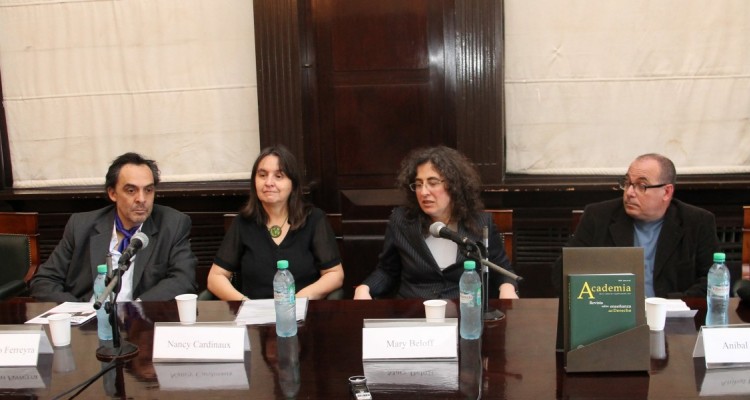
(126, 284)
(443, 251)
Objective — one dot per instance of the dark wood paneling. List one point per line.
(278, 59)
(479, 85)
(382, 35)
(380, 88)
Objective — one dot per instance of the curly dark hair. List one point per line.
(461, 180)
(297, 206)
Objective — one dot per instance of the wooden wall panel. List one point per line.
(479, 89)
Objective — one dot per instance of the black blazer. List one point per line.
(684, 251)
(406, 262)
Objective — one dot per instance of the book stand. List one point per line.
(625, 351)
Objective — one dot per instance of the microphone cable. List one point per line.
(85, 384)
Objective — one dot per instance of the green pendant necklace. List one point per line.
(275, 230)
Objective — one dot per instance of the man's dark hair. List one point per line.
(668, 172)
(129, 158)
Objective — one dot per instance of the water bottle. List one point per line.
(470, 287)
(284, 300)
(289, 378)
(717, 297)
(102, 318)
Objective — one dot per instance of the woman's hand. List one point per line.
(362, 292)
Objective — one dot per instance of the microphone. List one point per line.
(438, 229)
(137, 242)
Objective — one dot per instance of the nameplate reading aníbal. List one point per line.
(19, 349)
(726, 346)
(200, 342)
(389, 341)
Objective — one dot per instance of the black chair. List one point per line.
(19, 252)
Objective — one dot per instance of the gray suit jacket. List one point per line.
(162, 270)
(684, 251)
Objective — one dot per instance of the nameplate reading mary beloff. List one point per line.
(200, 342)
(401, 339)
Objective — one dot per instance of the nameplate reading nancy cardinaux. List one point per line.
(395, 339)
(200, 342)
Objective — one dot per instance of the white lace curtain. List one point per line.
(87, 80)
(591, 84)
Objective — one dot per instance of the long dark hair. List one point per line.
(461, 180)
(297, 207)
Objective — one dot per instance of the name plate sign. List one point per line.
(399, 339)
(724, 346)
(203, 376)
(20, 345)
(21, 378)
(200, 342)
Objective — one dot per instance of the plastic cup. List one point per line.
(59, 329)
(656, 313)
(434, 310)
(63, 360)
(658, 345)
(187, 307)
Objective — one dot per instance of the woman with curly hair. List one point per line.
(441, 185)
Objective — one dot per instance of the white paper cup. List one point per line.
(434, 310)
(187, 306)
(656, 313)
(59, 329)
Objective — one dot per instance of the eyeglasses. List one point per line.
(640, 188)
(431, 183)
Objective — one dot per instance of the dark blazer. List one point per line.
(684, 251)
(163, 269)
(406, 262)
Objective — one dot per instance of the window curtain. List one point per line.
(85, 81)
(592, 84)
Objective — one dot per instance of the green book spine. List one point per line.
(600, 305)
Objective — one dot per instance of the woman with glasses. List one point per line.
(678, 239)
(277, 224)
(441, 185)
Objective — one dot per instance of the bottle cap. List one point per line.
(102, 268)
(282, 264)
(469, 265)
(719, 257)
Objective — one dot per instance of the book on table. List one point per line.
(600, 305)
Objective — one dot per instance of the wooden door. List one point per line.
(376, 73)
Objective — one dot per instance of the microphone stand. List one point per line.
(121, 349)
(480, 253)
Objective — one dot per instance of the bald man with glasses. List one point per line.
(678, 239)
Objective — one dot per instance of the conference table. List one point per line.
(514, 359)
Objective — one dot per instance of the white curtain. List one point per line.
(85, 81)
(591, 84)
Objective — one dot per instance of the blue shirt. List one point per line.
(646, 234)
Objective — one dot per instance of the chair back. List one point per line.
(504, 222)
(746, 243)
(19, 233)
